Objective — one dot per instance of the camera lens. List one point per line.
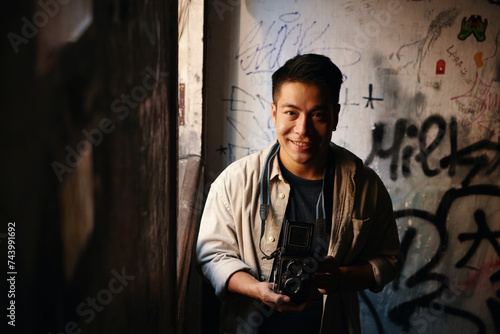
(292, 285)
(294, 268)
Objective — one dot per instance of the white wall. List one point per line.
(191, 76)
(448, 191)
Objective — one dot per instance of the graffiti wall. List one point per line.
(420, 104)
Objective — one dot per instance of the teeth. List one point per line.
(298, 143)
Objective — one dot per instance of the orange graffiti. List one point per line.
(478, 57)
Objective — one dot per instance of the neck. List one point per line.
(309, 171)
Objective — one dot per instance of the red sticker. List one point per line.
(440, 66)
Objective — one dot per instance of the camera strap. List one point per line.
(265, 204)
(321, 225)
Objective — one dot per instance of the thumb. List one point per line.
(272, 297)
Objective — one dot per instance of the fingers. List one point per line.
(328, 265)
(279, 302)
(292, 307)
(276, 301)
(322, 279)
(268, 296)
(327, 275)
(288, 307)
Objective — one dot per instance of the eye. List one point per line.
(320, 115)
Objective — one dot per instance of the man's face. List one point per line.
(304, 117)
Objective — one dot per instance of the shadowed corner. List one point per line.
(111, 216)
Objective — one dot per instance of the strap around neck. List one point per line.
(265, 197)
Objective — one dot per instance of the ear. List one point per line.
(336, 111)
(273, 112)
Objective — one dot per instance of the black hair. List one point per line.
(312, 69)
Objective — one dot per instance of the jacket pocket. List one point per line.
(361, 232)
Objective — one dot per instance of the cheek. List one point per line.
(280, 125)
(284, 128)
(325, 131)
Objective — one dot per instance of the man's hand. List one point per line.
(243, 283)
(277, 301)
(327, 277)
(330, 277)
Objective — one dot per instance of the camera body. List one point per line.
(295, 264)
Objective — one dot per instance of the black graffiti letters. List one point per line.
(401, 130)
(433, 146)
(430, 136)
(421, 309)
(426, 150)
(378, 134)
(483, 232)
(468, 156)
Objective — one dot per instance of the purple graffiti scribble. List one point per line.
(261, 49)
(485, 100)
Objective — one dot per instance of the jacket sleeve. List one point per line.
(382, 248)
(217, 247)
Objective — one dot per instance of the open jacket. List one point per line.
(363, 230)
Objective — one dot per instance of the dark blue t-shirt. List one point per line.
(301, 207)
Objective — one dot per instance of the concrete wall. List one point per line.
(420, 105)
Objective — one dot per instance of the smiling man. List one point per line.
(304, 116)
(290, 234)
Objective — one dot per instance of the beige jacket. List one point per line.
(363, 229)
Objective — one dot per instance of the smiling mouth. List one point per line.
(300, 143)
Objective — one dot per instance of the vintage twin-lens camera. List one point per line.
(295, 265)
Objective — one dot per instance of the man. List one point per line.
(305, 178)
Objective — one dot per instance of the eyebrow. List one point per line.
(315, 108)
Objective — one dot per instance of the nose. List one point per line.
(302, 125)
